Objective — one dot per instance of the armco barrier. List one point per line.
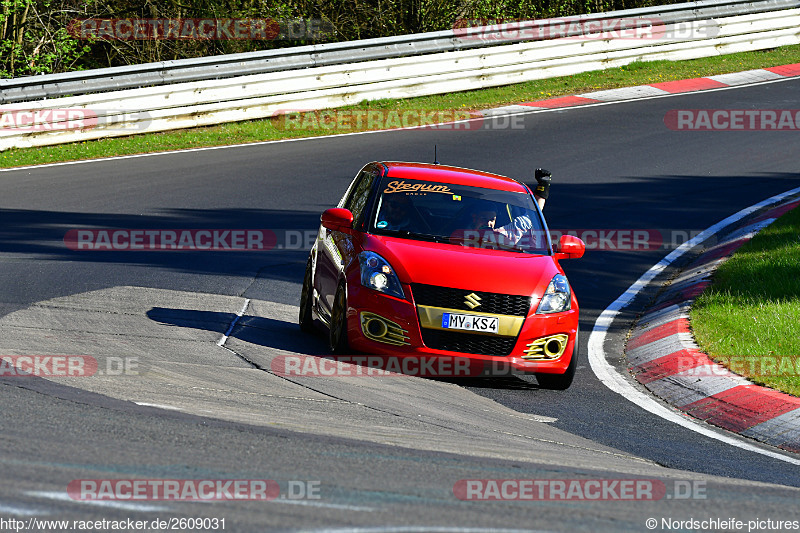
(470, 63)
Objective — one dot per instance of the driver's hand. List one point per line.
(543, 179)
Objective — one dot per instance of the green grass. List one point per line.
(270, 129)
(749, 318)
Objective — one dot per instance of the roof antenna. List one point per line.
(435, 158)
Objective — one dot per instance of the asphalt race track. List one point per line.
(375, 454)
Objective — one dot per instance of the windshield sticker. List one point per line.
(402, 186)
(381, 224)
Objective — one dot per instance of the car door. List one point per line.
(336, 248)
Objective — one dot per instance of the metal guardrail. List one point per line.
(219, 67)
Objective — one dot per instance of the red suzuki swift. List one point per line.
(425, 260)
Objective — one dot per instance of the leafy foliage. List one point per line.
(34, 36)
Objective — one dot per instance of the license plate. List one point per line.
(483, 324)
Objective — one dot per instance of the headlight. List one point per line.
(557, 297)
(377, 274)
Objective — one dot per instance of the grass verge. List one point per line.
(270, 129)
(749, 317)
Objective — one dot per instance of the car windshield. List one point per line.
(458, 215)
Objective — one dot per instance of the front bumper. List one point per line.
(404, 318)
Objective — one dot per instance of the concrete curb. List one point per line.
(656, 89)
(664, 357)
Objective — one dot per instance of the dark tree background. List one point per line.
(34, 36)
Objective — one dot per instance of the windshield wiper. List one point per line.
(512, 247)
(421, 236)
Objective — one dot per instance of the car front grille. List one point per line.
(456, 341)
(459, 299)
(490, 302)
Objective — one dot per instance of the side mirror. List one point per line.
(337, 219)
(570, 247)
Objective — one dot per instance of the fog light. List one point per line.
(553, 348)
(547, 348)
(379, 329)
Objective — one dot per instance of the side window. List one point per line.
(359, 196)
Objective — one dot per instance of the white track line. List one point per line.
(125, 506)
(222, 340)
(609, 376)
(19, 510)
(314, 503)
(159, 406)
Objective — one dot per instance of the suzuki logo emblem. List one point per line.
(472, 300)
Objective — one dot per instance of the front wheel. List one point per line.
(337, 336)
(561, 381)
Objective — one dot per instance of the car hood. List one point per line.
(460, 267)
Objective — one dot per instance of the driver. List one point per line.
(520, 227)
(395, 212)
(484, 231)
(484, 223)
(485, 216)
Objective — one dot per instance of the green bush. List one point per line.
(34, 37)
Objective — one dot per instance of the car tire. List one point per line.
(561, 381)
(306, 320)
(337, 333)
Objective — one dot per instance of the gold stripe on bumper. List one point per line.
(431, 317)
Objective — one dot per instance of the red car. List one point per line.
(425, 260)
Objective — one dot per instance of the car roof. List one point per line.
(453, 175)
